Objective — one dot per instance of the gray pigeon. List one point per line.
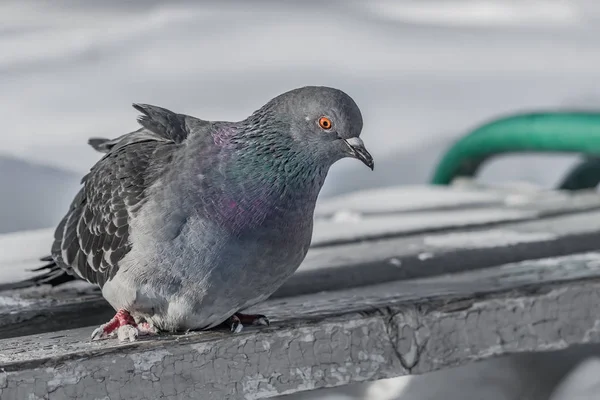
(185, 222)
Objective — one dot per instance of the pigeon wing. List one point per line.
(94, 235)
(157, 124)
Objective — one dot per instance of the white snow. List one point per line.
(403, 198)
(22, 251)
(481, 13)
(580, 384)
(328, 230)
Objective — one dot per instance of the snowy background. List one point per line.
(423, 72)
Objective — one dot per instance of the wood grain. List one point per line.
(327, 339)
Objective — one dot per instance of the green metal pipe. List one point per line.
(552, 132)
(585, 175)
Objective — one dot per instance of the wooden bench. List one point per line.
(398, 281)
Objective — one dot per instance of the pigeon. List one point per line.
(185, 223)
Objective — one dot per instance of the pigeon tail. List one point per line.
(50, 274)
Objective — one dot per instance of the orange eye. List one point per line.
(325, 123)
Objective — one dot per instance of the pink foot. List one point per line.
(146, 329)
(124, 326)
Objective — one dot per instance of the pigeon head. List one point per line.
(324, 122)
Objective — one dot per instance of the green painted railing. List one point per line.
(551, 132)
(585, 175)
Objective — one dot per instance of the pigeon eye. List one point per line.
(325, 123)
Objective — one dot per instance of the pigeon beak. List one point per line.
(358, 151)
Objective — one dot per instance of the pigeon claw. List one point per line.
(262, 321)
(145, 328)
(253, 319)
(101, 333)
(127, 332)
(124, 327)
(234, 324)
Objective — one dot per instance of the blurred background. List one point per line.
(423, 72)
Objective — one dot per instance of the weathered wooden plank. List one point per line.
(45, 310)
(354, 222)
(409, 199)
(427, 254)
(351, 228)
(327, 340)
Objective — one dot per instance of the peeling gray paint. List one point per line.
(143, 362)
(303, 358)
(318, 352)
(61, 377)
(326, 339)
